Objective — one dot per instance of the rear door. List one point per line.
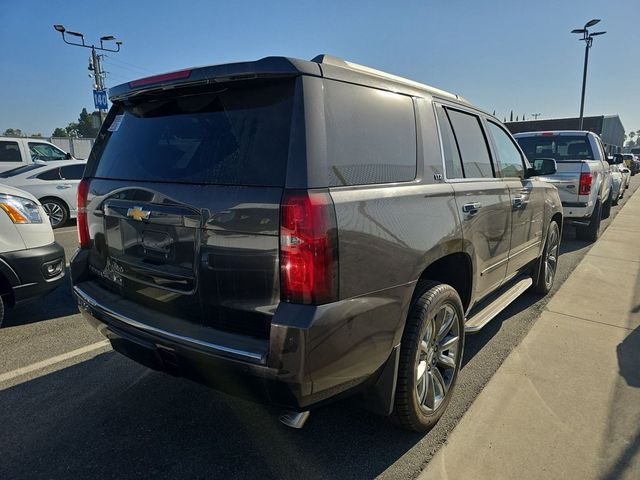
(186, 192)
(527, 200)
(11, 155)
(483, 199)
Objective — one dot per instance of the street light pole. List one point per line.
(96, 65)
(588, 39)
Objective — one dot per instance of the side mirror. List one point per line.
(542, 167)
(68, 156)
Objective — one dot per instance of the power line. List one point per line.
(123, 64)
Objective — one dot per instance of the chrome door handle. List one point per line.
(471, 207)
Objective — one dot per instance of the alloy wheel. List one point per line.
(551, 260)
(55, 213)
(437, 359)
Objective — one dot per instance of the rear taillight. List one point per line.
(308, 248)
(585, 183)
(83, 226)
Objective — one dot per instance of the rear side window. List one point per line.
(371, 135)
(53, 174)
(452, 162)
(228, 135)
(558, 147)
(72, 172)
(10, 152)
(472, 144)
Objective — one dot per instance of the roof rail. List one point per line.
(339, 62)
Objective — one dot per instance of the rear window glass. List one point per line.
(371, 135)
(20, 170)
(558, 147)
(228, 135)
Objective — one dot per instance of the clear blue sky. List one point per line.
(499, 54)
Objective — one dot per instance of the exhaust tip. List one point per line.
(294, 419)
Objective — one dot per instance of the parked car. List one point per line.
(583, 177)
(297, 231)
(17, 152)
(630, 162)
(31, 262)
(618, 164)
(55, 185)
(617, 188)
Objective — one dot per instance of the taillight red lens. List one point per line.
(585, 183)
(83, 226)
(308, 248)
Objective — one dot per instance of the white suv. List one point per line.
(31, 262)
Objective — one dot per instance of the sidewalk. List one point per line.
(565, 404)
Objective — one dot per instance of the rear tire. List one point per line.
(591, 232)
(606, 207)
(2, 310)
(430, 356)
(57, 211)
(548, 261)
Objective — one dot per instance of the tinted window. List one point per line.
(53, 174)
(43, 151)
(72, 172)
(509, 157)
(10, 152)
(235, 135)
(471, 144)
(453, 166)
(559, 147)
(17, 171)
(371, 135)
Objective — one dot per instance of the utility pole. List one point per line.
(587, 38)
(535, 115)
(95, 65)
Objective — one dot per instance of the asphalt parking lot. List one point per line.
(92, 413)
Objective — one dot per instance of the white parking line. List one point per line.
(52, 361)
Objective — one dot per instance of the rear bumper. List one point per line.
(26, 271)
(576, 212)
(314, 354)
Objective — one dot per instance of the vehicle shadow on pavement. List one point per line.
(114, 418)
(58, 303)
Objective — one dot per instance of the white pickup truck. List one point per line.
(17, 151)
(583, 176)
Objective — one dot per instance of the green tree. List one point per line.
(86, 124)
(60, 132)
(13, 132)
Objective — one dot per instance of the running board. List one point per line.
(482, 317)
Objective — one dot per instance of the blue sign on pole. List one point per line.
(100, 100)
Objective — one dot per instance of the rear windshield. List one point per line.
(227, 135)
(559, 147)
(17, 171)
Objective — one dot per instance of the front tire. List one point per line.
(548, 261)
(430, 356)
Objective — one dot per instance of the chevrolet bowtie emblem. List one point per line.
(138, 214)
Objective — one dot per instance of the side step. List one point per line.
(482, 317)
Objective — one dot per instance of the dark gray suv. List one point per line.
(297, 231)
